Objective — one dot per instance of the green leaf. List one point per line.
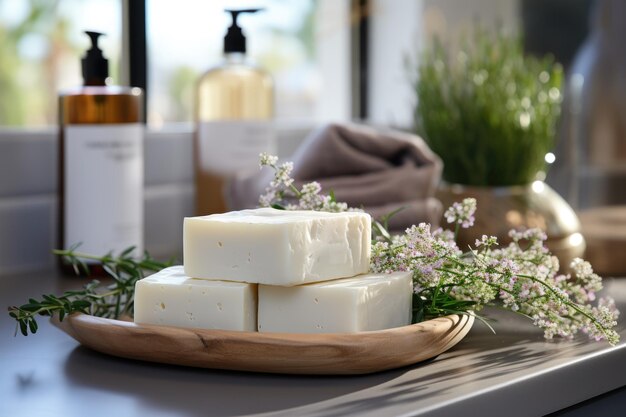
(32, 325)
(109, 270)
(483, 320)
(51, 299)
(82, 266)
(380, 230)
(30, 307)
(81, 304)
(385, 219)
(128, 251)
(23, 327)
(75, 246)
(277, 206)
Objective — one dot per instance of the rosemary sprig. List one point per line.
(110, 301)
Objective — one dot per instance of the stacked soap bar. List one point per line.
(363, 303)
(171, 298)
(277, 247)
(298, 271)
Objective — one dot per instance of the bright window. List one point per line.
(288, 38)
(41, 44)
(304, 44)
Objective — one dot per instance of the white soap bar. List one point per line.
(366, 302)
(277, 247)
(171, 298)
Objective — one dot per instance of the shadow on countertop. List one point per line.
(201, 392)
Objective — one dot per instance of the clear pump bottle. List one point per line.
(100, 163)
(234, 112)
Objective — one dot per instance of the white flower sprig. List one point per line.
(521, 277)
(283, 194)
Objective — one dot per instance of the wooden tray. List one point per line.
(340, 353)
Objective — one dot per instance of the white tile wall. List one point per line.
(28, 162)
(28, 200)
(27, 232)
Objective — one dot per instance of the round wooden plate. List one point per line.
(337, 353)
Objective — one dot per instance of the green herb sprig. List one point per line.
(488, 111)
(110, 301)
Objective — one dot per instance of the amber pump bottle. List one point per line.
(100, 163)
(234, 111)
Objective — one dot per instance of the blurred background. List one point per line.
(307, 45)
(332, 60)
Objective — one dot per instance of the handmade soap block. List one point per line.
(277, 247)
(171, 298)
(366, 302)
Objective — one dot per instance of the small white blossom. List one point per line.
(462, 213)
(487, 241)
(311, 188)
(267, 199)
(266, 159)
(282, 177)
(282, 191)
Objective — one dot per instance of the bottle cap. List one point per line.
(235, 41)
(95, 65)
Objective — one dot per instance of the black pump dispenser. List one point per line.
(95, 65)
(235, 41)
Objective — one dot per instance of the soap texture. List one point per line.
(277, 247)
(172, 298)
(363, 303)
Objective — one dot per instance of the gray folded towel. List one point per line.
(379, 170)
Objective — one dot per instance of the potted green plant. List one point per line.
(491, 114)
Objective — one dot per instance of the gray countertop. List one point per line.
(514, 372)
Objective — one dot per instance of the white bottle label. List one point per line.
(231, 147)
(104, 187)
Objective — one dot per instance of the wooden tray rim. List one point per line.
(294, 353)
